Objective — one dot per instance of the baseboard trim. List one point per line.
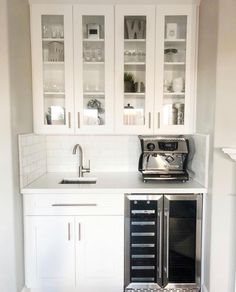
(204, 288)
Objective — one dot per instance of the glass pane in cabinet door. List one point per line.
(182, 241)
(134, 70)
(93, 70)
(53, 69)
(174, 70)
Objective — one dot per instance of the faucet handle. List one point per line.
(87, 169)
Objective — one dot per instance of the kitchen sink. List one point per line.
(79, 180)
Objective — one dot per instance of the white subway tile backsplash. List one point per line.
(199, 160)
(32, 153)
(41, 154)
(106, 153)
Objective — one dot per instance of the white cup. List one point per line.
(178, 84)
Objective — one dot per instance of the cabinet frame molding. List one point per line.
(190, 68)
(36, 11)
(107, 11)
(138, 10)
(114, 67)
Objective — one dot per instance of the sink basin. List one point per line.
(79, 180)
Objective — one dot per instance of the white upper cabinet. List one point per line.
(52, 61)
(134, 63)
(175, 69)
(94, 73)
(93, 68)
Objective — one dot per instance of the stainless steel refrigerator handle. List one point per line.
(167, 242)
(160, 244)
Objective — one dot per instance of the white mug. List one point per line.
(178, 84)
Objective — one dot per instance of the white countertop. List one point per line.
(112, 183)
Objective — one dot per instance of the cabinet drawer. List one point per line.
(74, 204)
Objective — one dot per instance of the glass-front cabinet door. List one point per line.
(134, 63)
(51, 33)
(175, 82)
(182, 241)
(94, 68)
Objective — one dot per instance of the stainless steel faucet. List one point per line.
(82, 169)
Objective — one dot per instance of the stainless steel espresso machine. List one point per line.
(164, 158)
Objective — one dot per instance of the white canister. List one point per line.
(45, 54)
(169, 114)
(178, 84)
(171, 31)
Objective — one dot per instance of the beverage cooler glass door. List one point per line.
(182, 241)
(143, 241)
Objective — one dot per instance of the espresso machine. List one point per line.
(164, 158)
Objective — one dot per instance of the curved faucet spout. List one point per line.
(80, 153)
(81, 168)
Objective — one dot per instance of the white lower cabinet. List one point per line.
(74, 253)
(50, 252)
(100, 258)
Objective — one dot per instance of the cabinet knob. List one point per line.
(149, 120)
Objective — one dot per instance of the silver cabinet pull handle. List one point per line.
(167, 242)
(68, 231)
(69, 119)
(149, 120)
(160, 244)
(78, 120)
(158, 119)
(79, 231)
(74, 205)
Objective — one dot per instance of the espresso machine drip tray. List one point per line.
(177, 176)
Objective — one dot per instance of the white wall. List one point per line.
(206, 100)
(216, 115)
(222, 276)
(7, 253)
(16, 117)
(21, 109)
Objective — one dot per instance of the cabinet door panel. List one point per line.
(182, 240)
(50, 251)
(100, 253)
(52, 64)
(94, 68)
(175, 69)
(134, 63)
